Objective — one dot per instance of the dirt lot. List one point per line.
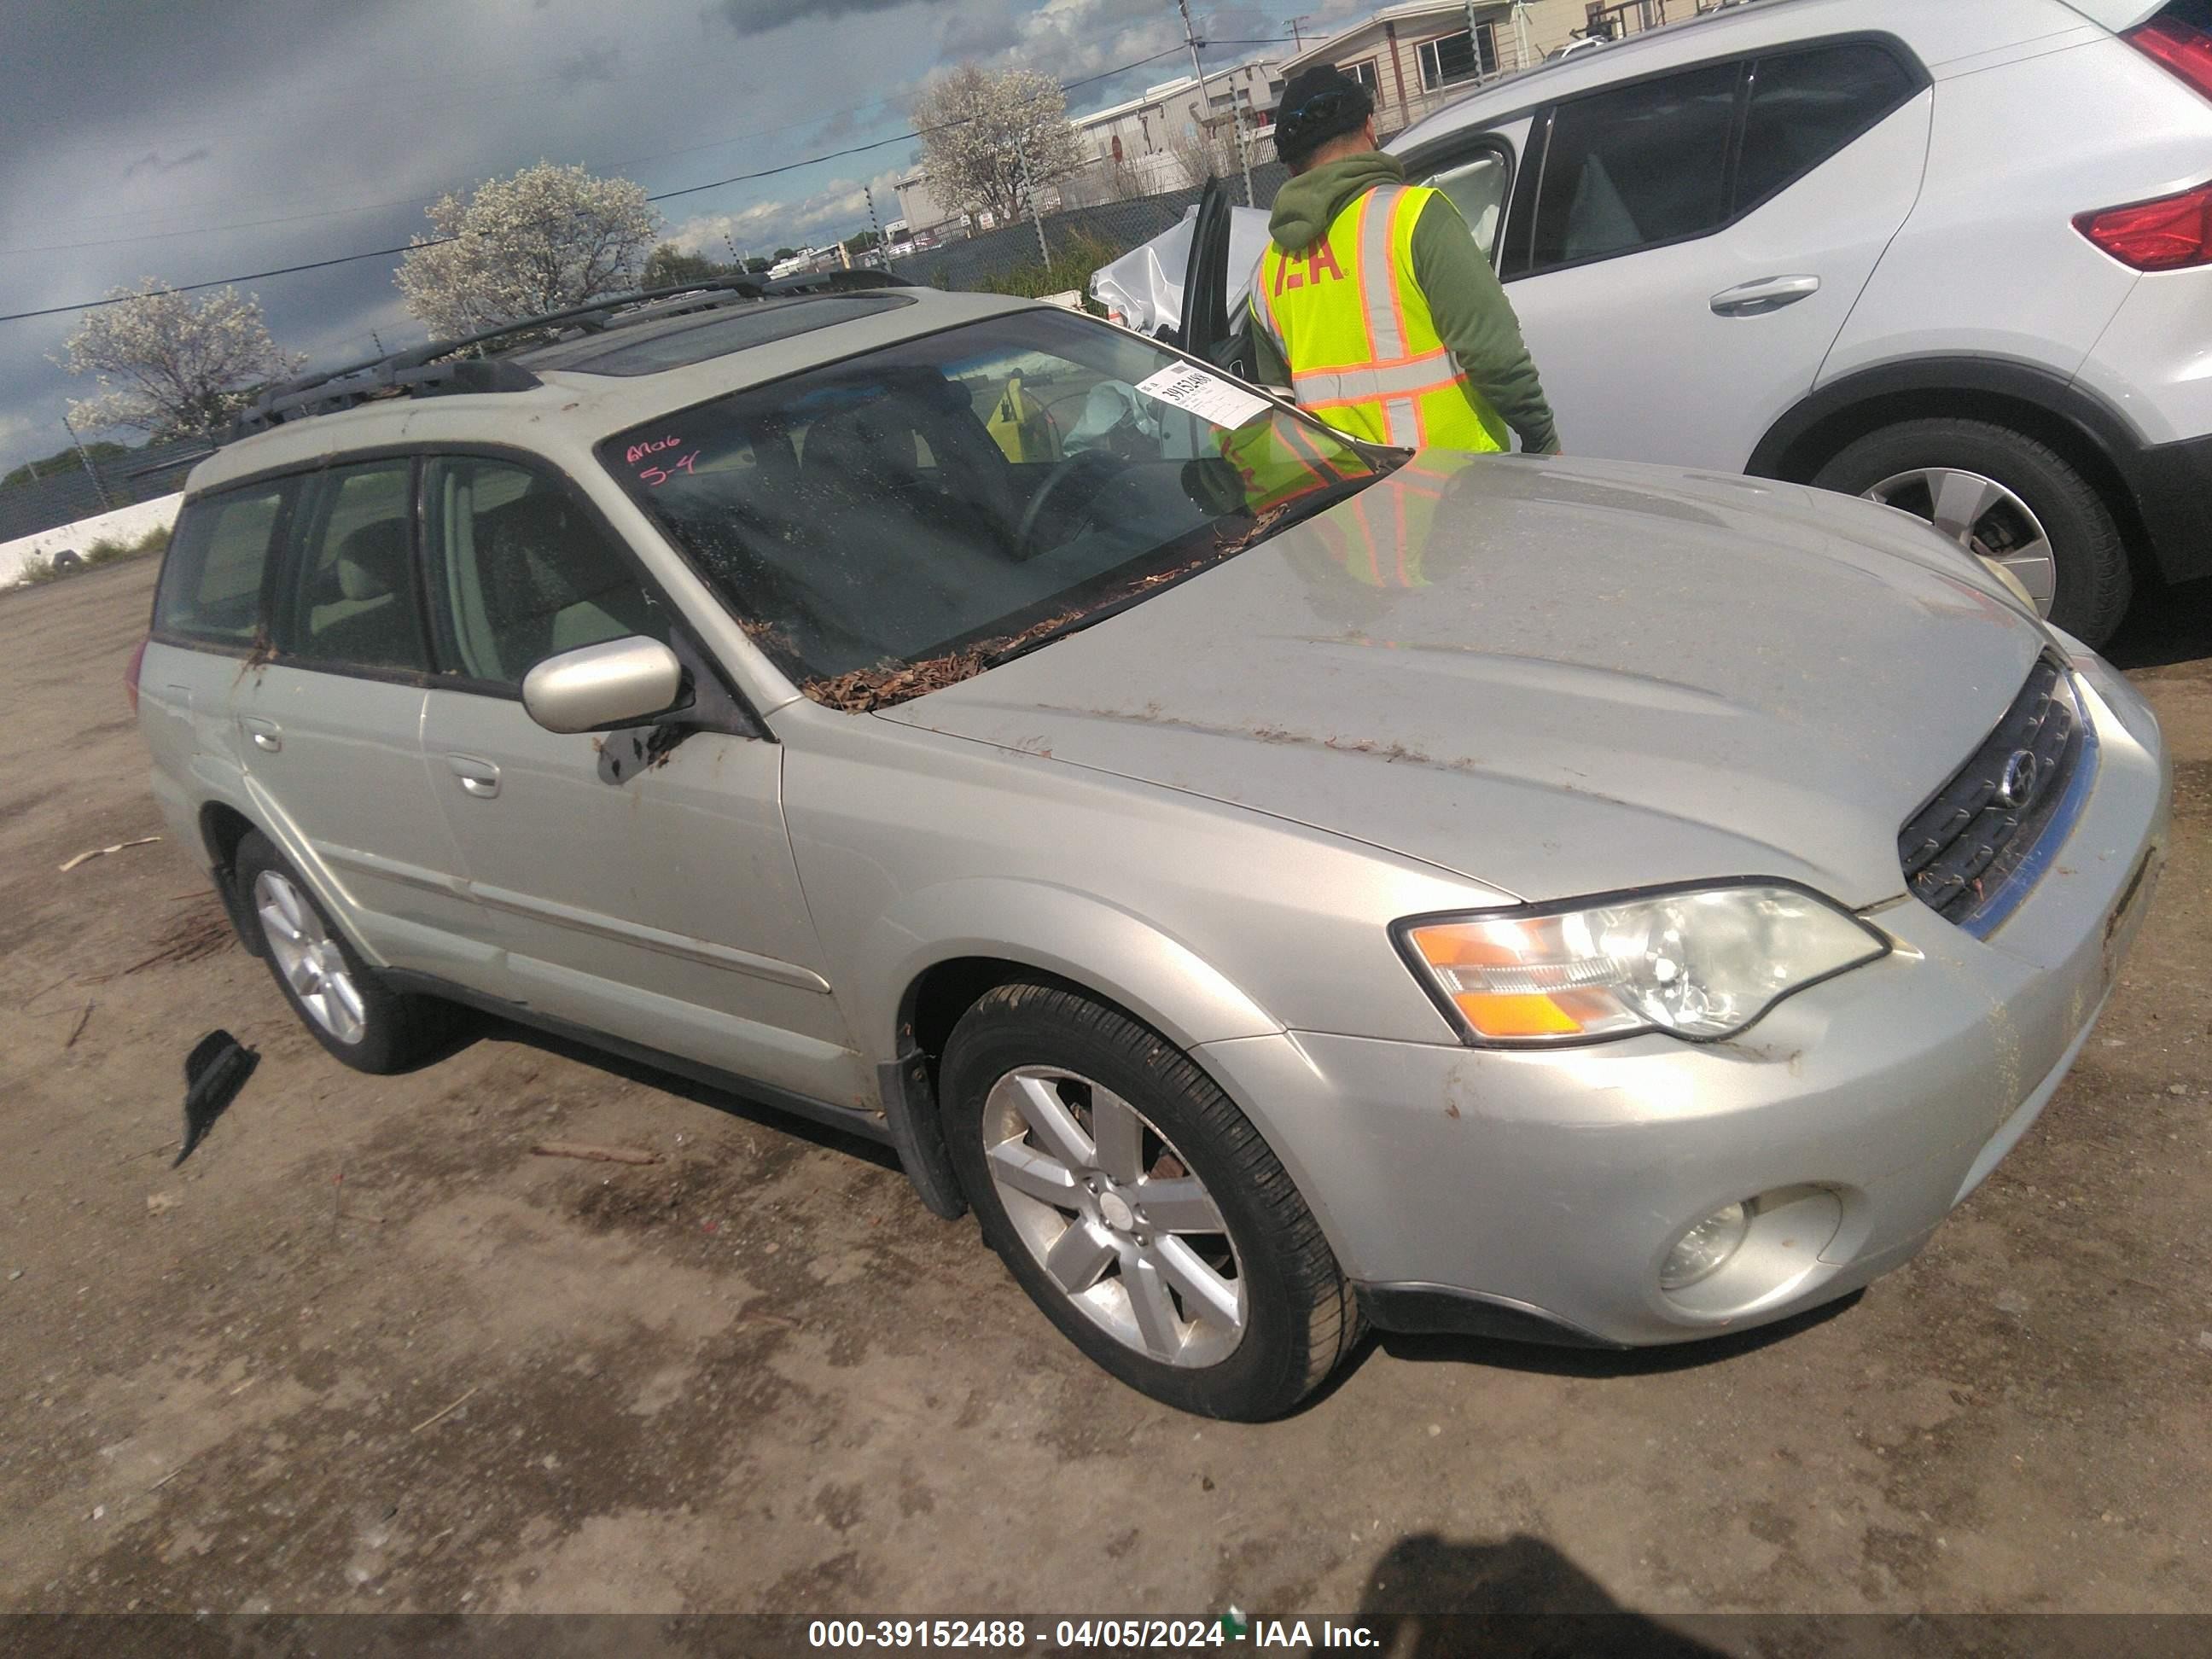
(365, 1352)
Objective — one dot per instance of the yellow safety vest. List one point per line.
(1279, 460)
(1356, 330)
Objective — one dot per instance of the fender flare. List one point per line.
(2087, 414)
(1071, 935)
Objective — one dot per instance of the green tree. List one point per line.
(668, 265)
(787, 254)
(862, 242)
(759, 266)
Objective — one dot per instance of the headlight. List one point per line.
(1700, 963)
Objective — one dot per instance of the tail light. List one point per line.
(2181, 46)
(130, 674)
(2164, 234)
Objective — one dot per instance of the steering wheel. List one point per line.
(1084, 461)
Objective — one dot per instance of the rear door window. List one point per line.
(1637, 166)
(352, 600)
(1806, 105)
(212, 579)
(519, 572)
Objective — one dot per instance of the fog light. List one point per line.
(1704, 1249)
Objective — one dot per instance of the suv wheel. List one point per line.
(336, 995)
(1139, 1208)
(2001, 495)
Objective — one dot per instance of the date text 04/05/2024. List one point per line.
(1076, 1635)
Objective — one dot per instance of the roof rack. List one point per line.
(435, 368)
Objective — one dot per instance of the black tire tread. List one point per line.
(2095, 585)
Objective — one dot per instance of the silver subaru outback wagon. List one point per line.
(1282, 886)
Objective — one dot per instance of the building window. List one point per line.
(1462, 57)
(1363, 72)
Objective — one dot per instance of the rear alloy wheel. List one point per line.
(336, 995)
(2007, 498)
(1140, 1210)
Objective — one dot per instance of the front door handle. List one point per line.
(262, 734)
(1767, 294)
(479, 778)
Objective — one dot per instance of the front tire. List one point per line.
(336, 995)
(1140, 1210)
(2007, 497)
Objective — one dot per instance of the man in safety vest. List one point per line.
(1372, 301)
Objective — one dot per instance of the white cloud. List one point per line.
(837, 210)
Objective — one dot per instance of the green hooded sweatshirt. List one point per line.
(1472, 313)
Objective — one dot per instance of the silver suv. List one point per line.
(1280, 885)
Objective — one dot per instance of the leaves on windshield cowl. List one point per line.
(866, 689)
(863, 690)
(1256, 531)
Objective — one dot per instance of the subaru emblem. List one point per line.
(2016, 783)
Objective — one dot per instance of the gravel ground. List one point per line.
(365, 1352)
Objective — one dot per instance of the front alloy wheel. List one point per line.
(1110, 1211)
(1144, 1213)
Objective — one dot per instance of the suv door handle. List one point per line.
(263, 735)
(1766, 293)
(479, 778)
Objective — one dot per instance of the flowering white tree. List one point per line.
(547, 238)
(172, 366)
(976, 128)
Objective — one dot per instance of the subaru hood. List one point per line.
(1551, 677)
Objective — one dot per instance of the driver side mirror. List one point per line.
(602, 687)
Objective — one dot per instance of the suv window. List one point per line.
(211, 581)
(353, 597)
(519, 572)
(1809, 105)
(1637, 165)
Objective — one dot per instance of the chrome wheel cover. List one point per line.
(308, 957)
(1982, 517)
(1109, 1209)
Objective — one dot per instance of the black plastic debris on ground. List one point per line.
(214, 1071)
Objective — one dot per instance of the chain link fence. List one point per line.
(62, 497)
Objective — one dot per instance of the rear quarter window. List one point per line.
(212, 580)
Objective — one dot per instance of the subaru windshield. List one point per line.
(896, 521)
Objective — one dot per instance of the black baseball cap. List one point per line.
(1320, 104)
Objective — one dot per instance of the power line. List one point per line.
(663, 195)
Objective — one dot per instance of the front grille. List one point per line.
(1963, 852)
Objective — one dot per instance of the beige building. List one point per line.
(1414, 59)
(1173, 136)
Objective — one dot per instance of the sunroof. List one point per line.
(694, 339)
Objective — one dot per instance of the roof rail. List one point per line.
(421, 369)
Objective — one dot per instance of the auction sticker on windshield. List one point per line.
(1207, 395)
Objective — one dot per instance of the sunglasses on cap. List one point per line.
(1321, 108)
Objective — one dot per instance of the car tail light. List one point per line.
(2182, 47)
(130, 674)
(2164, 234)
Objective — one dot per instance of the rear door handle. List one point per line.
(262, 734)
(1766, 293)
(479, 778)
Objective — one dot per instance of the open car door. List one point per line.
(1209, 330)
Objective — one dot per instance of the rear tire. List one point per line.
(2088, 583)
(345, 1006)
(1150, 1222)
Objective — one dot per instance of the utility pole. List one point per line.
(99, 489)
(1022, 154)
(1298, 39)
(1190, 39)
(881, 249)
(1237, 108)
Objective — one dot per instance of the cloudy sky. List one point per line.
(193, 139)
